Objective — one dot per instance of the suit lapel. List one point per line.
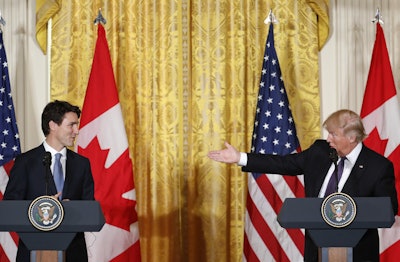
(320, 168)
(356, 173)
(69, 169)
(320, 178)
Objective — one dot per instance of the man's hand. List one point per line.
(56, 196)
(227, 155)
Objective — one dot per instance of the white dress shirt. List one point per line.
(53, 152)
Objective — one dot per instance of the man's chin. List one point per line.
(70, 144)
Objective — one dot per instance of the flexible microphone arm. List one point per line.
(333, 156)
(47, 163)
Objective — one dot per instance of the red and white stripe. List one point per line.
(265, 239)
(8, 240)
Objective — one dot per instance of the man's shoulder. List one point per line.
(320, 147)
(321, 143)
(372, 154)
(33, 152)
(31, 156)
(74, 155)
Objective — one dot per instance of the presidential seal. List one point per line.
(338, 210)
(45, 213)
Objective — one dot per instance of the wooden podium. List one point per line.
(79, 216)
(336, 243)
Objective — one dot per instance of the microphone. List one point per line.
(333, 156)
(47, 159)
(47, 162)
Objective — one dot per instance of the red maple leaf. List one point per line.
(374, 142)
(111, 183)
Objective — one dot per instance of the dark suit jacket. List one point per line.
(371, 176)
(28, 181)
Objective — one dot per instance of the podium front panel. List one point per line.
(337, 237)
(46, 240)
(79, 216)
(372, 212)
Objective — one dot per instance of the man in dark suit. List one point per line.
(29, 178)
(366, 173)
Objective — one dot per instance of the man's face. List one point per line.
(66, 133)
(339, 141)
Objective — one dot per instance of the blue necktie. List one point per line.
(58, 174)
(332, 181)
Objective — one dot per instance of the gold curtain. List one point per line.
(187, 72)
(45, 10)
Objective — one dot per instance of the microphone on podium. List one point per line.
(333, 156)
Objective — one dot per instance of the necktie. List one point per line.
(58, 174)
(332, 181)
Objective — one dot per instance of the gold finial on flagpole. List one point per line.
(270, 18)
(378, 17)
(100, 18)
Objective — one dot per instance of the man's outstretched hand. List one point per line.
(226, 155)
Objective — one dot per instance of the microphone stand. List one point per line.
(47, 163)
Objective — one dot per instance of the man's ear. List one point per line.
(352, 138)
(52, 125)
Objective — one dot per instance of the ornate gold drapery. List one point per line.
(187, 74)
(45, 10)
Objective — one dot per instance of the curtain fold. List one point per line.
(321, 9)
(187, 73)
(45, 10)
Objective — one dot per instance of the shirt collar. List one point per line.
(353, 155)
(48, 148)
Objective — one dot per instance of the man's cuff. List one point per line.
(243, 159)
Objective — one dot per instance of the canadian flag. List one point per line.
(102, 138)
(381, 117)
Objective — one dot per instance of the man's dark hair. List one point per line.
(55, 111)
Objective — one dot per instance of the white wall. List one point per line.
(27, 68)
(345, 60)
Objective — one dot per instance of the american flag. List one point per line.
(9, 148)
(274, 133)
